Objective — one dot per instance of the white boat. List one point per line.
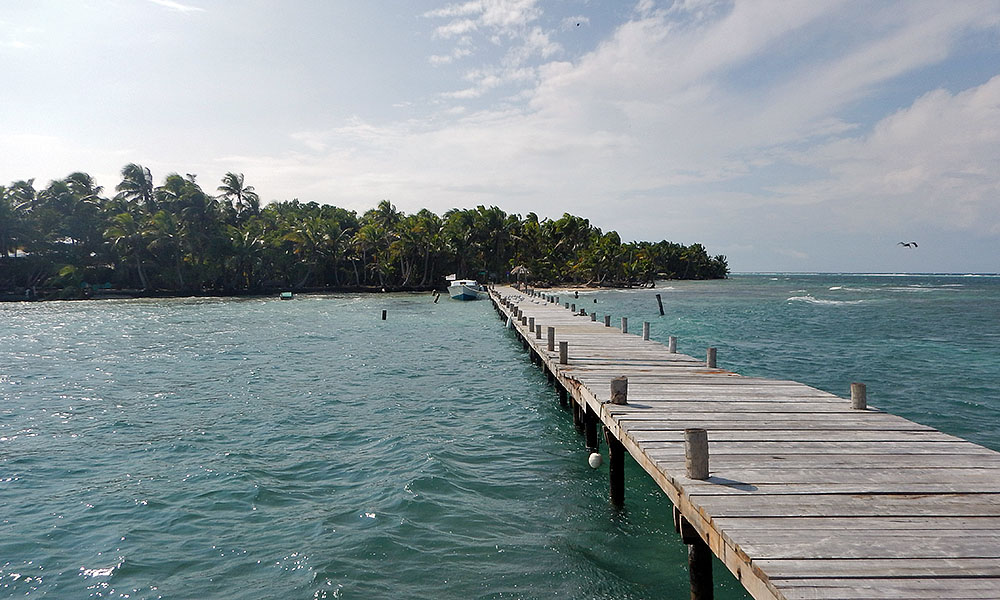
(464, 289)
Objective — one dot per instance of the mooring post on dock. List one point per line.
(538, 331)
(563, 353)
(659, 302)
(696, 452)
(645, 330)
(531, 324)
(859, 396)
(607, 320)
(624, 324)
(551, 333)
(567, 304)
(672, 344)
(593, 316)
(572, 307)
(710, 358)
(619, 390)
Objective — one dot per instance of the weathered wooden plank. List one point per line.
(834, 568)
(891, 589)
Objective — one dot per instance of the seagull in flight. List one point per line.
(907, 244)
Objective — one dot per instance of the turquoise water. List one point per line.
(308, 449)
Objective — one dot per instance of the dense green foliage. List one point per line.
(177, 237)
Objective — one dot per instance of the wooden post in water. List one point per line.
(710, 358)
(551, 333)
(590, 430)
(616, 468)
(563, 353)
(700, 570)
(563, 396)
(696, 453)
(672, 344)
(384, 314)
(624, 324)
(659, 302)
(645, 330)
(859, 396)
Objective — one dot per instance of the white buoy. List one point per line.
(595, 460)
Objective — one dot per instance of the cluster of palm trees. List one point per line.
(176, 237)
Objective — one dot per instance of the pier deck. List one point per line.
(807, 498)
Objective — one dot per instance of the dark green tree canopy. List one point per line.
(68, 237)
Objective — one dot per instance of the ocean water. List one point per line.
(226, 448)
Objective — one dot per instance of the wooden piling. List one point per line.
(619, 390)
(645, 330)
(710, 358)
(624, 324)
(607, 320)
(593, 316)
(531, 323)
(616, 468)
(538, 331)
(672, 344)
(700, 570)
(384, 314)
(659, 302)
(859, 396)
(551, 333)
(590, 421)
(572, 307)
(696, 452)
(563, 353)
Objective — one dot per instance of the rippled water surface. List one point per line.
(259, 449)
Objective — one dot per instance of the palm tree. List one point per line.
(126, 236)
(137, 187)
(242, 197)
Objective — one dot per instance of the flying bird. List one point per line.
(907, 244)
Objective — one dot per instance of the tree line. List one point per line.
(69, 238)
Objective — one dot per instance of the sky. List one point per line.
(792, 135)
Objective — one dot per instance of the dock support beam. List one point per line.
(699, 559)
(700, 570)
(616, 468)
(590, 430)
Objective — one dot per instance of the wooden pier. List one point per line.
(806, 497)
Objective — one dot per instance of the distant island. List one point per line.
(69, 240)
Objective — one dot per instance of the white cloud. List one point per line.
(177, 6)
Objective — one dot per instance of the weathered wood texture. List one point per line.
(807, 497)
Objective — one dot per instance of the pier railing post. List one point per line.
(624, 324)
(593, 316)
(551, 333)
(538, 332)
(645, 330)
(672, 344)
(563, 353)
(710, 358)
(859, 396)
(531, 323)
